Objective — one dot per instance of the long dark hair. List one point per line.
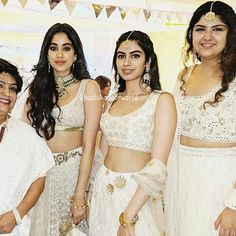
(43, 95)
(228, 56)
(146, 44)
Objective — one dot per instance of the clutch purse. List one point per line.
(70, 229)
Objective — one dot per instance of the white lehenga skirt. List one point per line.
(53, 207)
(111, 194)
(205, 177)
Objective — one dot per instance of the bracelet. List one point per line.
(77, 206)
(125, 223)
(231, 200)
(17, 216)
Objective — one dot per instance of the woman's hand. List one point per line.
(78, 214)
(7, 222)
(226, 222)
(126, 231)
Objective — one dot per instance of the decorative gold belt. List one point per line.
(64, 157)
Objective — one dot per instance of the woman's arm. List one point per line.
(92, 110)
(8, 220)
(164, 130)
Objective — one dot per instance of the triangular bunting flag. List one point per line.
(147, 14)
(4, 2)
(42, 1)
(109, 10)
(136, 11)
(97, 9)
(23, 2)
(53, 3)
(123, 12)
(70, 5)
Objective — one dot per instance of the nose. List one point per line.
(6, 91)
(60, 53)
(127, 61)
(207, 35)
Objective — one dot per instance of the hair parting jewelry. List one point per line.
(125, 223)
(210, 16)
(127, 41)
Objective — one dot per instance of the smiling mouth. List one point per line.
(5, 101)
(207, 45)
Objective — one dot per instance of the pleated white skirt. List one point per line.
(205, 176)
(53, 207)
(111, 195)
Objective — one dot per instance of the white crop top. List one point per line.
(133, 131)
(72, 114)
(214, 123)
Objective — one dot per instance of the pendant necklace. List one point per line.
(63, 82)
(3, 127)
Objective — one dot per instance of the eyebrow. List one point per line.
(64, 44)
(2, 81)
(136, 51)
(199, 25)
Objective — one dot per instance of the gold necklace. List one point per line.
(63, 82)
(3, 129)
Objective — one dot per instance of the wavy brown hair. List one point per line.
(227, 57)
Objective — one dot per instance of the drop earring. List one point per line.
(49, 67)
(147, 76)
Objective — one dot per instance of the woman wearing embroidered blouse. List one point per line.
(64, 106)
(138, 128)
(24, 159)
(204, 170)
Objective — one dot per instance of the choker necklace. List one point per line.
(63, 82)
(3, 127)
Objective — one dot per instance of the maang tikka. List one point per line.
(127, 42)
(210, 16)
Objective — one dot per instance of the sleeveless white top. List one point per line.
(133, 131)
(72, 114)
(215, 123)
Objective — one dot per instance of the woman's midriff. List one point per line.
(198, 143)
(64, 141)
(125, 160)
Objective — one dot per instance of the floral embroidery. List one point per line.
(120, 182)
(110, 188)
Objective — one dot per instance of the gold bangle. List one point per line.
(77, 206)
(125, 223)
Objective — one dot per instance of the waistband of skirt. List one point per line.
(107, 171)
(224, 152)
(63, 157)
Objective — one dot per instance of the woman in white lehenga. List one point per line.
(64, 106)
(138, 128)
(201, 196)
(24, 159)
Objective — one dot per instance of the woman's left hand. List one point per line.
(78, 214)
(7, 222)
(226, 222)
(126, 231)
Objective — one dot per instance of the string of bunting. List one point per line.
(166, 17)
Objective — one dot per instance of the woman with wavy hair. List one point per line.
(138, 127)
(201, 197)
(64, 107)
